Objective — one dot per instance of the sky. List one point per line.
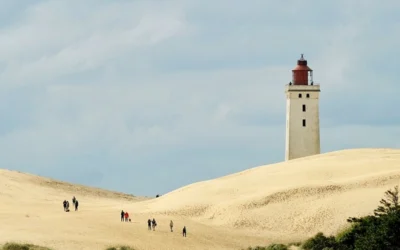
(144, 97)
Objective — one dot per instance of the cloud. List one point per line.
(52, 42)
(118, 94)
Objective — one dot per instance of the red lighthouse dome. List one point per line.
(302, 72)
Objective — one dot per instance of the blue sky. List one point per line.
(147, 96)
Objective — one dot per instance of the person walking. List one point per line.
(154, 224)
(149, 224)
(122, 215)
(76, 205)
(126, 216)
(184, 231)
(65, 205)
(171, 225)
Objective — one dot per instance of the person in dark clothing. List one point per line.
(149, 224)
(122, 215)
(184, 231)
(154, 224)
(73, 200)
(65, 205)
(76, 205)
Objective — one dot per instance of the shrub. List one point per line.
(390, 204)
(126, 248)
(18, 246)
(378, 231)
(319, 242)
(277, 247)
(347, 236)
(294, 244)
(120, 248)
(256, 248)
(270, 247)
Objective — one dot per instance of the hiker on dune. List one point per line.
(184, 231)
(171, 225)
(65, 205)
(73, 200)
(126, 216)
(154, 224)
(76, 205)
(122, 215)
(149, 224)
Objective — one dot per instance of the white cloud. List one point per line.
(55, 41)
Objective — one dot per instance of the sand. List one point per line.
(282, 202)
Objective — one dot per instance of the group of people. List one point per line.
(66, 204)
(125, 216)
(171, 226)
(153, 224)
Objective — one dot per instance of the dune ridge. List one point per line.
(286, 201)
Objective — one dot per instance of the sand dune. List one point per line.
(280, 202)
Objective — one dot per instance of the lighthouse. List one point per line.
(302, 113)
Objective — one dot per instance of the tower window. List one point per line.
(299, 95)
(308, 95)
(304, 108)
(304, 122)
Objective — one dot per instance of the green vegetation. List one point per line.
(270, 247)
(120, 248)
(277, 247)
(18, 246)
(372, 232)
(294, 244)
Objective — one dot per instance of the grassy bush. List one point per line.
(121, 248)
(322, 242)
(270, 247)
(18, 246)
(319, 242)
(378, 231)
(256, 248)
(277, 247)
(347, 236)
(294, 244)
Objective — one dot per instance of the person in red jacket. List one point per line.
(126, 216)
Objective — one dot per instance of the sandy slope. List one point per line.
(279, 202)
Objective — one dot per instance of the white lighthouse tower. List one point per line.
(302, 113)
